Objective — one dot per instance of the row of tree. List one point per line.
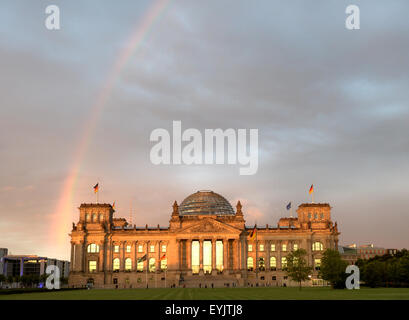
(386, 270)
(28, 281)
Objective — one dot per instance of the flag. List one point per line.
(311, 189)
(253, 234)
(113, 205)
(142, 259)
(289, 206)
(96, 188)
(163, 257)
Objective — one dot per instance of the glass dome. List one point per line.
(205, 202)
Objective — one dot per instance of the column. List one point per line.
(72, 257)
(135, 263)
(189, 254)
(179, 254)
(235, 255)
(225, 254)
(158, 245)
(268, 248)
(122, 256)
(84, 253)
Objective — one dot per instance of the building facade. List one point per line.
(206, 244)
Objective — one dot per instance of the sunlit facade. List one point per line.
(206, 244)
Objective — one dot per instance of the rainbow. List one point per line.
(63, 216)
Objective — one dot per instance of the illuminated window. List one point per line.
(317, 246)
(116, 248)
(128, 248)
(195, 257)
(93, 248)
(219, 255)
(128, 264)
(164, 264)
(283, 263)
(273, 247)
(273, 263)
(317, 264)
(261, 247)
(261, 264)
(152, 248)
(87, 217)
(92, 266)
(139, 266)
(295, 247)
(140, 248)
(116, 264)
(250, 264)
(250, 248)
(284, 247)
(94, 218)
(152, 265)
(207, 257)
(163, 248)
(101, 217)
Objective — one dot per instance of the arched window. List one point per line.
(139, 266)
(261, 264)
(295, 247)
(250, 265)
(283, 263)
(284, 247)
(101, 217)
(128, 264)
(94, 217)
(317, 246)
(87, 217)
(116, 264)
(164, 264)
(93, 248)
(273, 263)
(152, 265)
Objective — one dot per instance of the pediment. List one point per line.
(210, 226)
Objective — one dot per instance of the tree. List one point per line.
(297, 266)
(333, 269)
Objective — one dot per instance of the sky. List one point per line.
(78, 105)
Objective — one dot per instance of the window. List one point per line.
(116, 248)
(317, 264)
(317, 246)
(261, 247)
(283, 263)
(250, 264)
(94, 217)
(140, 248)
(163, 248)
(315, 216)
(152, 248)
(128, 264)
(273, 247)
(295, 247)
(309, 215)
(261, 264)
(152, 265)
(322, 216)
(164, 264)
(139, 266)
(116, 264)
(273, 278)
(101, 217)
(128, 248)
(284, 247)
(87, 217)
(273, 263)
(250, 248)
(93, 248)
(92, 266)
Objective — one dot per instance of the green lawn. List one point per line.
(219, 294)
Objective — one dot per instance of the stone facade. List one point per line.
(196, 250)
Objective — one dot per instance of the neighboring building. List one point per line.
(348, 254)
(207, 243)
(3, 252)
(19, 265)
(370, 251)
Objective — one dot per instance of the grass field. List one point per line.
(323, 293)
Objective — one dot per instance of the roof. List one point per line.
(312, 205)
(205, 202)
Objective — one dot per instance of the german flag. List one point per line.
(96, 187)
(311, 189)
(142, 259)
(253, 234)
(163, 257)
